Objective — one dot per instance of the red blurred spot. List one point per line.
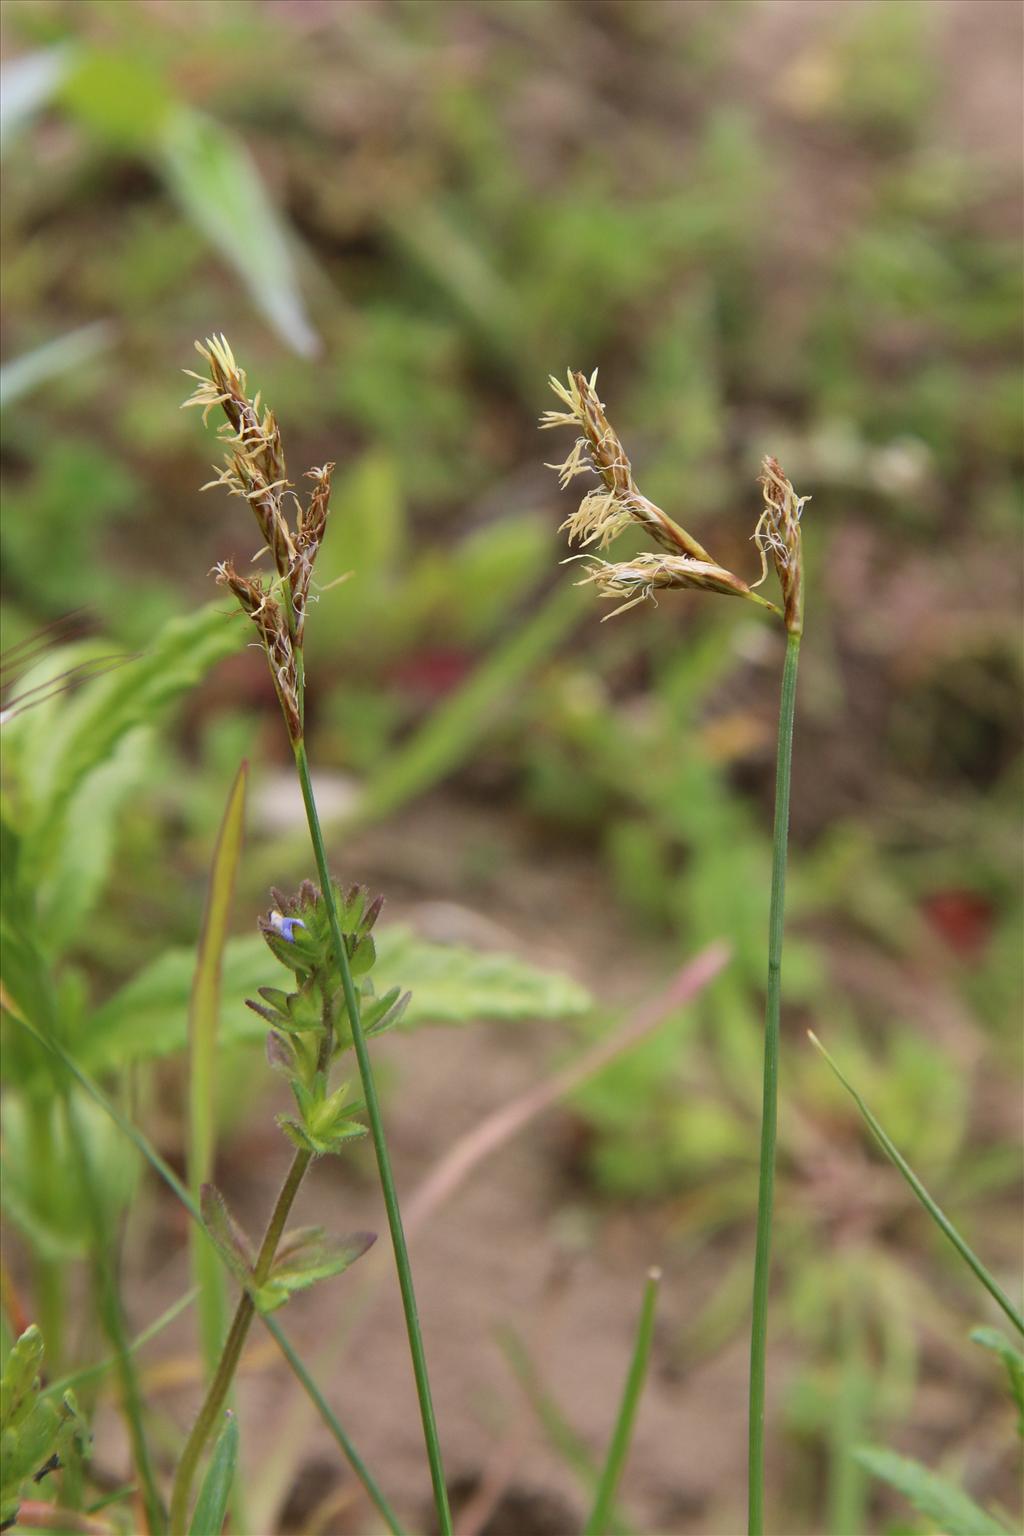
(962, 919)
(433, 672)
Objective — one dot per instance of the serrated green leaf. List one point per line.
(84, 733)
(217, 183)
(991, 1338)
(88, 847)
(942, 1501)
(212, 1503)
(450, 985)
(454, 985)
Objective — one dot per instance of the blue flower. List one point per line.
(285, 926)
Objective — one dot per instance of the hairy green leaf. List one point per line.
(307, 1256)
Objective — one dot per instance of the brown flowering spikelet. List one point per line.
(308, 538)
(612, 506)
(257, 601)
(645, 574)
(254, 469)
(777, 536)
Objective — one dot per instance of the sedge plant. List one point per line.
(679, 561)
(323, 936)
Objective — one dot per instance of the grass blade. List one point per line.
(111, 1312)
(32, 369)
(941, 1220)
(203, 1017)
(942, 1501)
(560, 1434)
(212, 1503)
(622, 1435)
(87, 1372)
(216, 181)
(447, 737)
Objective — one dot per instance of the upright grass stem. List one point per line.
(216, 1397)
(769, 1114)
(618, 1449)
(380, 1147)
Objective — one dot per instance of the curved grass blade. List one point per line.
(622, 1435)
(942, 1501)
(87, 1372)
(940, 1219)
(216, 181)
(212, 1503)
(53, 358)
(203, 1017)
(111, 1312)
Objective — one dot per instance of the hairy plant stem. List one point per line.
(216, 1396)
(769, 1114)
(380, 1147)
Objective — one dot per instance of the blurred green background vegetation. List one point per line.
(775, 227)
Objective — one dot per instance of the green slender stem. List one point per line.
(356, 1462)
(47, 1272)
(380, 1147)
(622, 1435)
(209, 1413)
(769, 1113)
(112, 1316)
(935, 1211)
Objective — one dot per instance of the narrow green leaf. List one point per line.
(216, 182)
(559, 1433)
(89, 1372)
(212, 1504)
(622, 1435)
(941, 1220)
(991, 1338)
(32, 369)
(462, 720)
(942, 1501)
(203, 1020)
